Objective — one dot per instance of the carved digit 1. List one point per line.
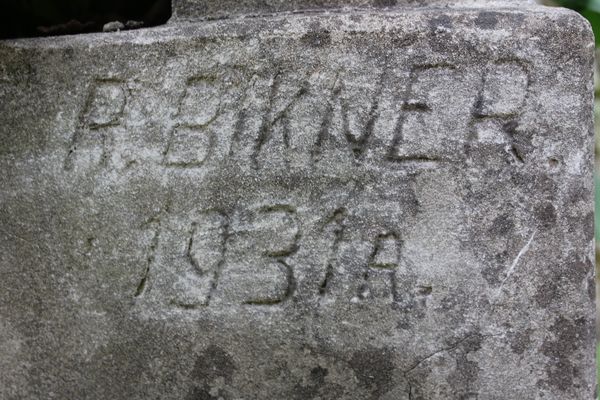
(103, 109)
(334, 229)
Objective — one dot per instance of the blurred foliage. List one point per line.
(25, 18)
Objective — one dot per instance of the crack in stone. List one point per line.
(446, 349)
(514, 264)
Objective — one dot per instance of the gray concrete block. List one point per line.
(360, 204)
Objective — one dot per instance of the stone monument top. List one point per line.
(217, 9)
(304, 199)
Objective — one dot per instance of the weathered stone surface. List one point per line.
(354, 205)
(218, 9)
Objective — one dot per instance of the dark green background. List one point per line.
(26, 18)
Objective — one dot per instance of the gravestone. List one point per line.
(361, 199)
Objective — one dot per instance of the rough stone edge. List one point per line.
(181, 29)
(200, 10)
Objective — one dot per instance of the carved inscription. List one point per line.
(286, 132)
(416, 127)
(333, 233)
(191, 139)
(189, 146)
(505, 89)
(102, 112)
(228, 259)
(386, 253)
(205, 254)
(301, 119)
(247, 258)
(500, 105)
(258, 270)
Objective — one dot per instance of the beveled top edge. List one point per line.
(217, 9)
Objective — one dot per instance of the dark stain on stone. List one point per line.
(200, 393)
(455, 306)
(545, 214)
(373, 368)
(487, 20)
(403, 323)
(502, 225)
(317, 37)
(492, 272)
(472, 343)
(578, 193)
(313, 388)
(546, 186)
(467, 371)
(68, 54)
(561, 372)
(461, 378)
(576, 271)
(588, 226)
(546, 293)
(211, 364)
(384, 3)
(569, 275)
(521, 341)
(318, 374)
(332, 391)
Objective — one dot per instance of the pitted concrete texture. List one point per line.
(366, 204)
(219, 9)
